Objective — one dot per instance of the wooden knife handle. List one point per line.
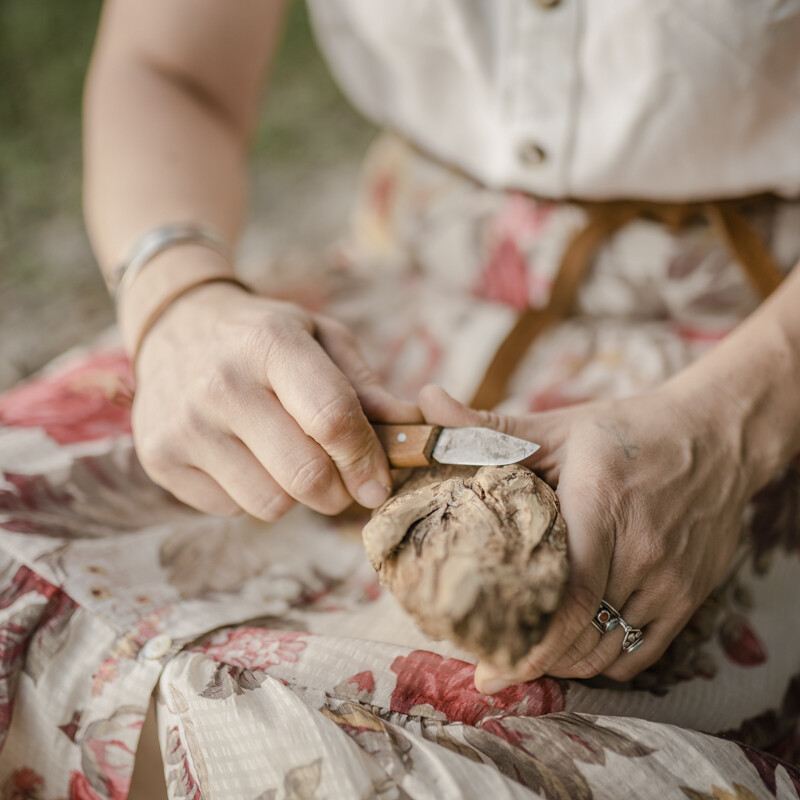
(408, 445)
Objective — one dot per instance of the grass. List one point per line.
(44, 52)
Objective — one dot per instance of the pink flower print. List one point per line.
(54, 610)
(24, 581)
(75, 405)
(364, 681)
(255, 648)
(446, 685)
(381, 194)
(411, 360)
(504, 278)
(741, 643)
(107, 753)
(521, 218)
(80, 788)
(181, 781)
(507, 277)
(23, 784)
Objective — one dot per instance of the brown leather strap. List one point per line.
(574, 263)
(742, 240)
(747, 246)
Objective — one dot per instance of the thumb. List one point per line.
(547, 429)
(439, 408)
(379, 404)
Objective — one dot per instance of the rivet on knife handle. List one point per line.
(408, 445)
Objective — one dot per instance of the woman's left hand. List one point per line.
(652, 492)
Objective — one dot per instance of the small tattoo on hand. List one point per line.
(619, 430)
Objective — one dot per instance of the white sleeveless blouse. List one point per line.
(661, 99)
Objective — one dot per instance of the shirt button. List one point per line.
(531, 154)
(157, 647)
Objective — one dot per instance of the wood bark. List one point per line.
(477, 557)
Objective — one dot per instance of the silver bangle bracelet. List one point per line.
(154, 242)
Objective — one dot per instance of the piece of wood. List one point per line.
(477, 557)
(408, 445)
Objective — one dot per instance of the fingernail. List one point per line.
(494, 685)
(373, 494)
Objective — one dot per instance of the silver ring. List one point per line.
(632, 639)
(607, 617)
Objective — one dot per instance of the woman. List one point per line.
(247, 402)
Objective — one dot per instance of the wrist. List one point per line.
(170, 276)
(742, 397)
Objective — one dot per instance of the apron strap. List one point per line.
(742, 240)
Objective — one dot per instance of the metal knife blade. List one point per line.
(480, 446)
(417, 445)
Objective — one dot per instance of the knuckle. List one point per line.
(573, 655)
(498, 422)
(336, 419)
(358, 458)
(217, 386)
(314, 476)
(155, 455)
(583, 606)
(656, 552)
(694, 595)
(221, 507)
(673, 587)
(533, 664)
(586, 668)
(272, 507)
(270, 339)
(361, 374)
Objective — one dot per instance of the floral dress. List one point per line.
(280, 668)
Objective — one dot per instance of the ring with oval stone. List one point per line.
(607, 617)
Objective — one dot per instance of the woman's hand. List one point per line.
(248, 403)
(652, 493)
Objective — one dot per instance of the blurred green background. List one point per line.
(305, 154)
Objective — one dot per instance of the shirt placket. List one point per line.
(540, 91)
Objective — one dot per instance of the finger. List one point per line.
(294, 460)
(582, 658)
(200, 491)
(576, 654)
(439, 408)
(379, 404)
(244, 479)
(658, 636)
(608, 646)
(546, 429)
(316, 393)
(645, 611)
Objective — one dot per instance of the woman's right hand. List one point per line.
(247, 403)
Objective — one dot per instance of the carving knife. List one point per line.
(419, 445)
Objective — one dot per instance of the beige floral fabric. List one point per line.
(281, 668)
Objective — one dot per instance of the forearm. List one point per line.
(749, 385)
(154, 153)
(170, 102)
